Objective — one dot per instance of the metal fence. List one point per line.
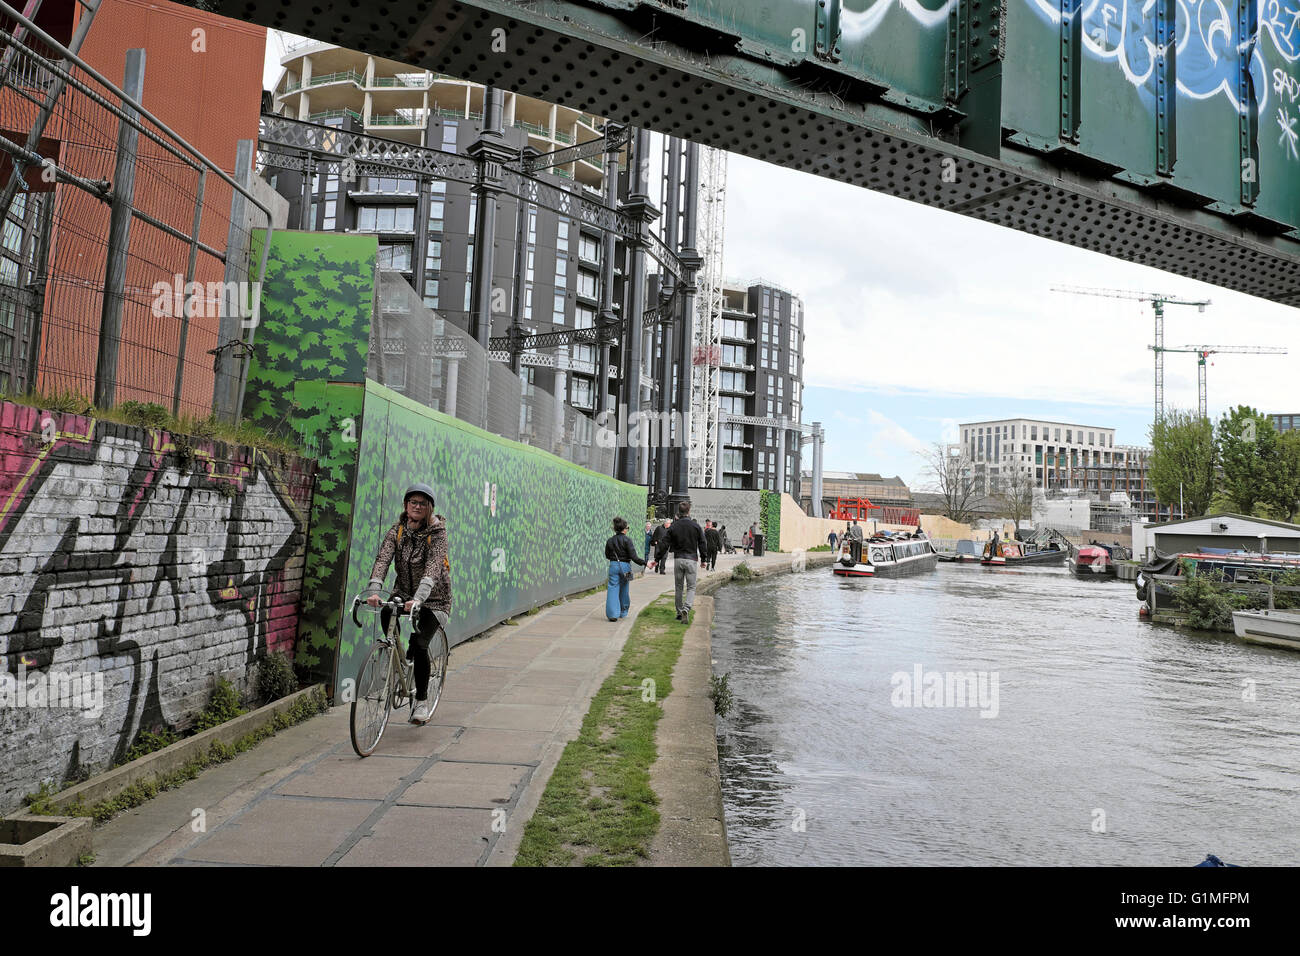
(420, 353)
(133, 278)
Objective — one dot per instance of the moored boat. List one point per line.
(885, 556)
(964, 552)
(1274, 628)
(1092, 561)
(1013, 554)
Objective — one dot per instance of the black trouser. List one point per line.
(426, 625)
(661, 556)
(713, 558)
(855, 550)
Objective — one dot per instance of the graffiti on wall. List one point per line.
(118, 561)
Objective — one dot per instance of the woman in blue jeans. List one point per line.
(621, 553)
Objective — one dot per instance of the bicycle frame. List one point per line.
(402, 670)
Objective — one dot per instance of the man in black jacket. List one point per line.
(686, 541)
(659, 541)
(713, 543)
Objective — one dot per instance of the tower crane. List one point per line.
(1205, 351)
(1158, 303)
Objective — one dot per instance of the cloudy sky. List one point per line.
(917, 320)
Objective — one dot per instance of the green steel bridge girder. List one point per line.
(1032, 114)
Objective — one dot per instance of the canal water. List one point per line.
(858, 732)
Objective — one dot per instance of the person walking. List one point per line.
(621, 553)
(833, 539)
(727, 546)
(417, 546)
(712, 543)
(649, 529)
(686, 541)
(746, 541)
(660, 541)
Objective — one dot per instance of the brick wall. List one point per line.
(135, 568)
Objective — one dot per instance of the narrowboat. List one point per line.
(1228, 566)
(1092, 561)
(965, 551)
(885, 556)
(1014, 554)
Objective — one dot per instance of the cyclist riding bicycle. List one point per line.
(417, 544)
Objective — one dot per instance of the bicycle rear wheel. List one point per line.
(374, 700)
(439, 657)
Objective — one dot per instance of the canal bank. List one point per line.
(685, 775)
(456, 792)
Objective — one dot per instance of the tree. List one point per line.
(1015, 494)
(1183, 460)
(952, 475)
(1261, 469)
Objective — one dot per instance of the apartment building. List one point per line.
(426, 226)
(1062, 457)
(762, 376)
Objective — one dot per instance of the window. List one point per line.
(1090, 438)
(733, 459)
(431, 293)
(433, 256)
(733, 434)
(385, 218)
(732, 403)
(1058, 435)
(588, 248)
(583, 393)
(449, 136)
(735, 355)
(587, 284)
(395, 256)
(584, 317)
(557, 315)
(1033, 433)
(733, 381)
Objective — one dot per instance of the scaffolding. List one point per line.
(706, 355)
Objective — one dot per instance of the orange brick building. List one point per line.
(203, 79)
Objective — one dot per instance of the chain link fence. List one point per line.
(421, 354)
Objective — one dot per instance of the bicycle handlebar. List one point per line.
(394, 601)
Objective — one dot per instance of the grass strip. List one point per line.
(598, 808)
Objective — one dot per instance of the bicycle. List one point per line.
(386, 681)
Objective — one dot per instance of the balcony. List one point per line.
(333, 114)
(406, 81)
(347, 76)
(407, 118)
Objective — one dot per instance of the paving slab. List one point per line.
(448, 784)
(351, 777)
(423, 836)
(517, 716)
(282, 831)
(500, 746)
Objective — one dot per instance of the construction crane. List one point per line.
(1158, 303)
(1205, 351)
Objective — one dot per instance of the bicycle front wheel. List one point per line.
(374, 700)
(439, 657)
